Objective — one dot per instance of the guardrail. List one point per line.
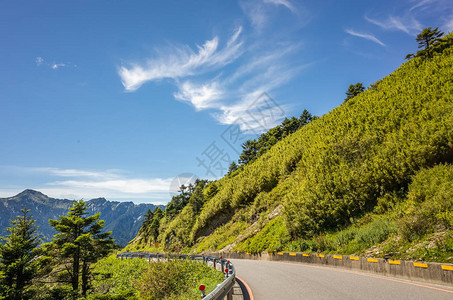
(225, 289)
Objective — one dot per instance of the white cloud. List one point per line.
(109, 174)
(56, 66)
(182, 62)
(285, 3)
(259, 11)
(407, 24)
(421, 4)
(200, 96)
(128, 186)
(39, 61)
(88, 184)
(263, 67)
(369, 37)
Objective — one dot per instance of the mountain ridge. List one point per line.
(122, 218)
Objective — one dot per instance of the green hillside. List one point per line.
(372, 176)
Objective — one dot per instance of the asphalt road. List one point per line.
(279, 280)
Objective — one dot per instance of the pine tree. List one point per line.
(354, 90)
(18, 256)
(80, 242)
(427, 38)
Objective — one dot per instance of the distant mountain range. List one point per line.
(122, 218)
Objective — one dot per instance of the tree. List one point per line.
(249, 152)
(233, 167)
(18, 256)
(80, 242)
(427, 38)
(305, 118)
(154, 226)
(354, 90)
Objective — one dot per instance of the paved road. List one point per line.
(279, 280)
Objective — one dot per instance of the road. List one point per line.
(279, 280)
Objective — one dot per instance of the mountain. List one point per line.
(374, 175)
(122, 218)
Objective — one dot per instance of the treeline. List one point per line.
(332, 173)
(60, 269)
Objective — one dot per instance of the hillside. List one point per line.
(122, 218)
(372, 176)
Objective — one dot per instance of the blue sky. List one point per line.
(126, 99)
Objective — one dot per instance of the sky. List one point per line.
(129, 99)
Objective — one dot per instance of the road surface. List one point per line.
(280, 280)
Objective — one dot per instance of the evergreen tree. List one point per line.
(354, 90)
(427, 38)
(305, 118)
(154, 227)
(18, 254)
(80, 242)
(233, 167)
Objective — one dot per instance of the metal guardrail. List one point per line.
(224, 289)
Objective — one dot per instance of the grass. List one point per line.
(139, 279)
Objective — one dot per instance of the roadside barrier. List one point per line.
(441, 273)
(223, 290)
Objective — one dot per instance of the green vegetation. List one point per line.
(19, 257)
(140, 279)
(115, 277)
(354, 90)
(79, 243)
(345, 182)
(75, 264)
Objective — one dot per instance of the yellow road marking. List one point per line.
(338, 257)
(280, 253)
(394, 262)
(420, 265)
(444, 267)
(320, 255)
(292, 254)
(248, 253)
(373, 260)
(354, 258)
(306, 255)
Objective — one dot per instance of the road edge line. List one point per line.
(247, 287)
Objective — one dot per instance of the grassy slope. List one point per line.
(348, 170)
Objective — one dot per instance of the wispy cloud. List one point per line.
(408, 24)
(203, 82)
(53, 65)
(200, 96)
(369, 37)
(39, 61)
(259, 11)
(88, 184)
(284, 3)
(108, 174)
(421, 4)
(182, 62)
